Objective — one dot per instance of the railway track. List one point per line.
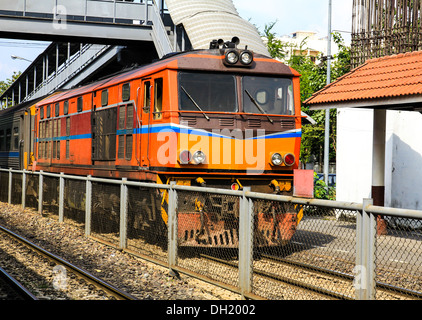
(310, 279)
(62, 267)
(12, 289)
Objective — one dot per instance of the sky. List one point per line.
(291, 16)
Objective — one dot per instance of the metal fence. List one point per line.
(335, 251)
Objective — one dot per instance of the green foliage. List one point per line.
(314, 78)
(4, 85)
(322, 191)
(276, 47)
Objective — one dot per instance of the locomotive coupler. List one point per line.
(275, 186)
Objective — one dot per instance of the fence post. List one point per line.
(88, 200)
(61, 198)
(172, 226)
(40, 192)
(9, 192)
(23, 188)
(246, 219)
(123, 213)
(365, 254)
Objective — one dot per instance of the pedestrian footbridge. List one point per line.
(94, 38)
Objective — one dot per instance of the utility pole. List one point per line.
(327, 111)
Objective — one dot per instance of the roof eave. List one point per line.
(409, 103)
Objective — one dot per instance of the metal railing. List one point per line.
(335, 251)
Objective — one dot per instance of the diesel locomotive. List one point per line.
(225, 117)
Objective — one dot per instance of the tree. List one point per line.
(313, 78)
(4, 85)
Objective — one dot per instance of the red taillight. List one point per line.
(185, 157)
(289, 159)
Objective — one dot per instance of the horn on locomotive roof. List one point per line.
(220, 44)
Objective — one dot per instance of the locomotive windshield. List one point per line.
(207, 92)
(268, 95)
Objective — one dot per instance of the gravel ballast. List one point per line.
(140, 278)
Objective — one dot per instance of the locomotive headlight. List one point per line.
(276, 159)
(289, 159)
(198, 157)
(232, 57)
(185, 157)
(246, 57)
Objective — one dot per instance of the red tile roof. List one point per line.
(387, 77)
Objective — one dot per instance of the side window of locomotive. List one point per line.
(80, 104)
(104, 98)
(8, 138)
(126, 92)
(158, 98)
(15, 138)
(147, 96)
(42, 113)
(48, 111)
(57, 109)
(66, 107)
(1, 140)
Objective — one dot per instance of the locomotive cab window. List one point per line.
(209, 92)
(273, 95)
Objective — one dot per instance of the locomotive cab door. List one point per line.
(145, 104)
(152, 89)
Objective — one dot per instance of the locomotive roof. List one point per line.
(196, 60)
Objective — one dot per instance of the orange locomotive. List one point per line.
(223, 117)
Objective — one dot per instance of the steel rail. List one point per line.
(101, 284)
(379, 285)
(16, 286)
(285, 280)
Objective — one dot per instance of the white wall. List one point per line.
(354, 154)
(404, 160)
(403, 166)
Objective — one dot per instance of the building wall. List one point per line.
(403, 163)
(354, 154)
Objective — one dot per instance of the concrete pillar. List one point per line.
(378, 166)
